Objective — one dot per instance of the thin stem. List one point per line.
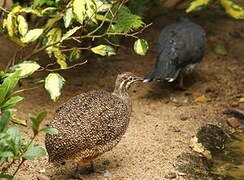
(20, 164)
(59, 69)
(79, 48)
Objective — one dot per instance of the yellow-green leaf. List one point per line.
(54, 84)
(16, 9)
(91, 10)
(197, 5)
(141, 47)
(70, 32)
(68, 16)
(102, 18)
(22, 25)
(233, 9)
(26, 68)
(61, 59)
(52, 21)
(54, 35)
(32, 35)
(10, 24)
(103, 50)
(48, 9)
(79, 9)
(31, 11)
(102, 6)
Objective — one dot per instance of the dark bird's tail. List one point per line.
(164, 69)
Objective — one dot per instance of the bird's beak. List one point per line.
(138, 79)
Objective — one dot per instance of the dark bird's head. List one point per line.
(123, 82)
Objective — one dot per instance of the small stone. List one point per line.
(42, 177)
(241, 100)
(170, 175)
(106, 173)
(106, 162)
(183, 118)
(174, 129)
(234, 104)
(233, 122)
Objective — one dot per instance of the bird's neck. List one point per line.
(122, 93)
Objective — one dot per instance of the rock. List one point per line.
(170, 175)
(233, 122)
(198, 147)
(212, 138)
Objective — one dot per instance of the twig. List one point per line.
(79, 48)
(22, 161)
(59, 69)
(4, 10)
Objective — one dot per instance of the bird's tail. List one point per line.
(163, 70)
(150, 76)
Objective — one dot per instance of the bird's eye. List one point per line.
(130, 78)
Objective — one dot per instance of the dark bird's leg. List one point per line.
(85, 171)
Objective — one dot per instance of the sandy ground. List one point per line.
(163, 119)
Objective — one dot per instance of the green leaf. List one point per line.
(70, 32)
(126, 21)
(32, 35)
(22, 25)
(19, 121)
(11, 102)
(233, 9)
(7, 154)
(197, 5)
(36, 121)
(74, 55)
(34, 152)
(68, 16)
(26, 68)
(50, 130)
(48, 10)
(79, 10)
(39, 3)
(60, 58)
(8, 84)
(5, 118)
(103, 50)
(141, 47)
(54, 84)
(10, 24)
(6, 176)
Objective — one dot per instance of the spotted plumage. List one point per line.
(91, 123)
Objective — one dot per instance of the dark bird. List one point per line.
(180, 48)
(91, 123)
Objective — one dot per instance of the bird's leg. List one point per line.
(92, 167)
(181, 83)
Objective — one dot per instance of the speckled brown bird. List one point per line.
(91, 123)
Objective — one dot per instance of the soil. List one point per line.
(164, 119)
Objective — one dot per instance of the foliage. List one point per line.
(76, 20)
(15, 147)
(233, 9)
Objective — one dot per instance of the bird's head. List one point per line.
(123, 82)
